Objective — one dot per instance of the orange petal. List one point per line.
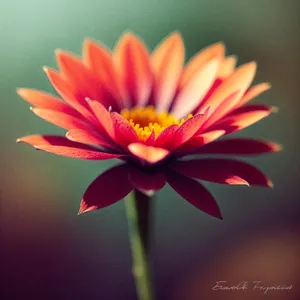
(68, 93)
(167, 62)
(254, 92)
(227, 67)
(79, 75)
(221, 110)
(148, 153)
(215, 51)
(98, 58)
(239, 80)
(102, 115)
(60, 119)
(44, 100)
(246, 116)
(131, 59)
(195, 89)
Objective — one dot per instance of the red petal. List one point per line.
(79, 75)
(89, 137)
(98, 58)
(69, 93)
(151, 139)
(221, 110)
(195, 169)
(132, 63)
(148, 153)
(110, 187)
(195, 89)
(123, 131)
(198, 141)
(167, 61)
(188, 129)
(103, 116)
(165, 139)
(239, 146)
(44, 100)
(194, 192)
(218, 170)
(146, 181)
(62, 146)
(243, 117)
(60, 119)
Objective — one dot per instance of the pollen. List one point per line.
(146, 120)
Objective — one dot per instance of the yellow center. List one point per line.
(146, 120)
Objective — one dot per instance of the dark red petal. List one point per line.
(194, 192)
(194, 168)
(62, 146)
(44, 100)
(218, 169)
(60, 119)
(108, 188)
(146, 181)
(239, 146)
(188, 129)
(123, 131)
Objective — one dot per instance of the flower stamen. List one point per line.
(146, 120)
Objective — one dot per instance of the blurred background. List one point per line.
(48, 252)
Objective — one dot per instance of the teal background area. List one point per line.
(48, 252)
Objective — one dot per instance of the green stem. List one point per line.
(138, 215)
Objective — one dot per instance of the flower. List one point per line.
(150, 111)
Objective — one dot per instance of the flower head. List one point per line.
(149, 110)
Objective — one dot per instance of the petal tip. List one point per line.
(21, 92)
(276, 147)
(270, 184)
(274, 109)
(84, 208)
(45, 69)
(220, 217)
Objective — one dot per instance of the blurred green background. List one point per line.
(48, 252)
